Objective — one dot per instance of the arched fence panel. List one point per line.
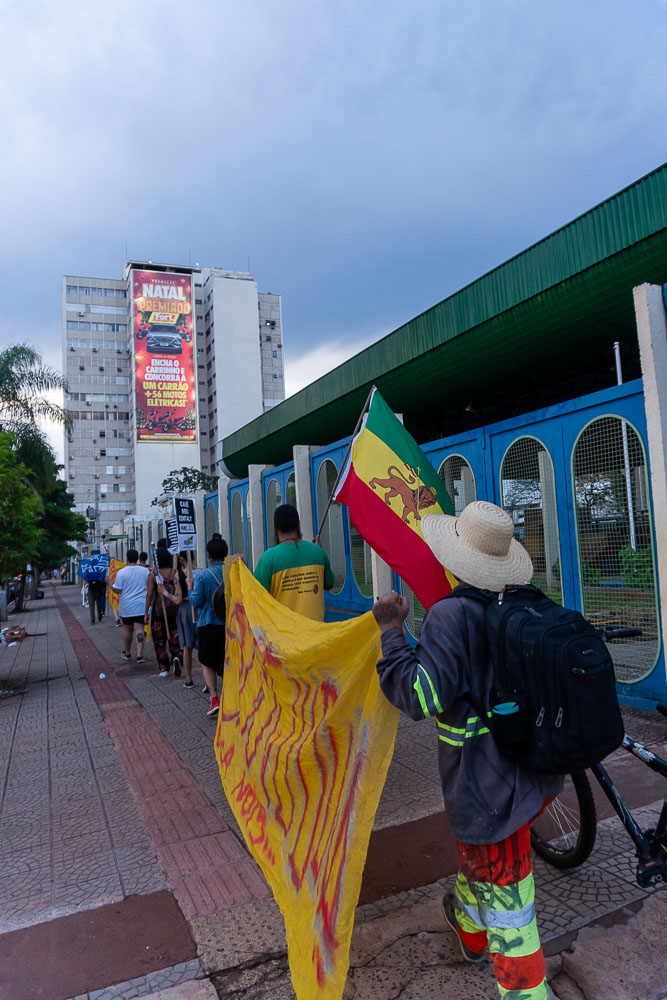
(615, 542)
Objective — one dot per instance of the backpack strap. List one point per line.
(220, 582)
(485, 597)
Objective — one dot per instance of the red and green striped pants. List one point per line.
(495, 896)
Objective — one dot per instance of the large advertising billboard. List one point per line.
(164, 356)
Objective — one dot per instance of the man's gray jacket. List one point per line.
(487, 796)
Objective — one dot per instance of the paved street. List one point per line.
(122, 873)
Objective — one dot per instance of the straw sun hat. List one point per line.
(478, 546)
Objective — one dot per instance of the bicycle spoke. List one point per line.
(566, 820)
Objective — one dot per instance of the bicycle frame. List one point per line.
(651, 846)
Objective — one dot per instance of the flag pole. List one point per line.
(344, 463)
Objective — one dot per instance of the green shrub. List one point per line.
(637, 567)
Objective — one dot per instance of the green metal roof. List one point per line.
(534, 330)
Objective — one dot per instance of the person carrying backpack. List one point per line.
(490, 799)
(208, 599)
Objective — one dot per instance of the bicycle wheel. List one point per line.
(564, 834)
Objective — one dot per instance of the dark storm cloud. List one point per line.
(367, 160)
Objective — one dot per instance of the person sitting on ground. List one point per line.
(163, 599)
(187, 627)
(490, 800)
(131, 583)
(295, 572)
(210, 626)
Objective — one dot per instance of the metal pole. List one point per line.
(626, 454)
(343, 464)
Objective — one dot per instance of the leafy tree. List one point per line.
(54, 524)
(23, 382)
(185, 480)
(35, 508)
(59, 527)
(20, 508)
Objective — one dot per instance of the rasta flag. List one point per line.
(304, 740)
(388, 485)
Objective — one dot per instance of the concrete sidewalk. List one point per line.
(116, 840)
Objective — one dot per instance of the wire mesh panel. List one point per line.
(290, 490)
(210, 521)
(614, 543)
(331, 535)
(274, 498)
(459, 481)
(248, 529)
(360, 557)
(238, 539)
(528, 491)
(416, 612)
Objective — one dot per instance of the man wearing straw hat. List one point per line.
(489, 799)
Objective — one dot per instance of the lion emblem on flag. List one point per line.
(398, 485)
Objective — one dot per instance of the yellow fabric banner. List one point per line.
(304, 741)
(114, 566)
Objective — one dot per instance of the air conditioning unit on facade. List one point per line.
(97, 475)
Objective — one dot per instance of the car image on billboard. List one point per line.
(163, 339)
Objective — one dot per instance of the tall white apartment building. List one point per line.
(112, 463)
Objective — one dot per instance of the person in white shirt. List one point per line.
(132, 584)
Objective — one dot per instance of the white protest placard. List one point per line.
(186, 529)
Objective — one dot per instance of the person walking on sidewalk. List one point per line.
(163, 600)
(489, 799)
(96, 592)
(187, 627)
(131, 583)
(295, 572)
(210, 626)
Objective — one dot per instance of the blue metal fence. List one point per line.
(532, 465)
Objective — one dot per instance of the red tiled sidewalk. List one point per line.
(206, 866)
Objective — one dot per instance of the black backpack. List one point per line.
(553, 704)
(218, 602)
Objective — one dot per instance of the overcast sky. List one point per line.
(366, 158)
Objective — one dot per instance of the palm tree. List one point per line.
(23, 381)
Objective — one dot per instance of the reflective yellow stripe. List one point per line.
(433, 692)
(465, 733)
(446, 739)
(428, 698)
(450, 729)
(422, 700)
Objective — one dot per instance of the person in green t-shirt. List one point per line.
(295, 572)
